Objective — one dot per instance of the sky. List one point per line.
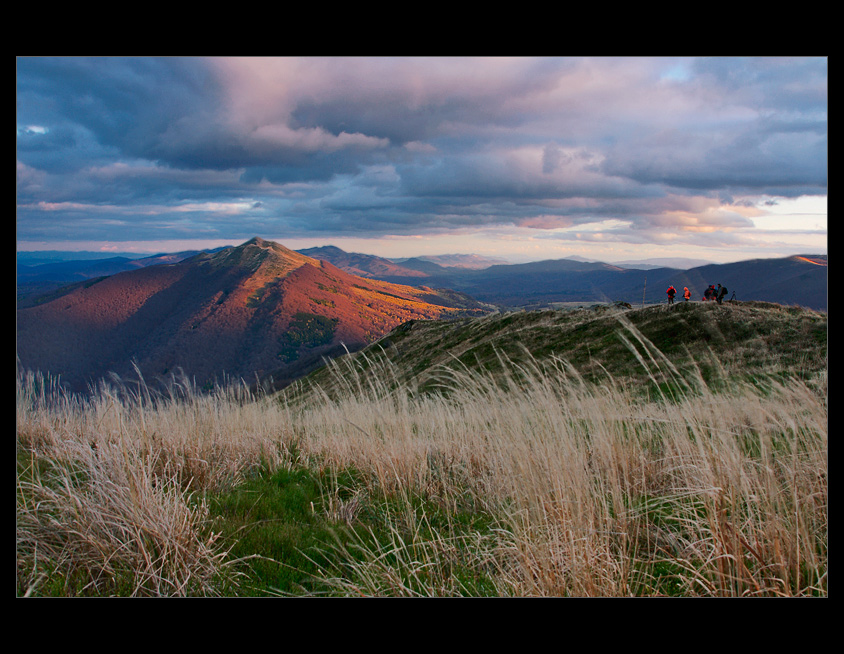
(607, 158)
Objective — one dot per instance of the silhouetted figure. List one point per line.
(671, 293)
(722, 292)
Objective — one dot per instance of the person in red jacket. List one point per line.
(671, 293)
(687, 294)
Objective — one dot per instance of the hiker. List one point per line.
(671, 293)
(722, 291)
(709, 293)
(687, 294)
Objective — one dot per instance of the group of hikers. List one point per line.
(709, 295)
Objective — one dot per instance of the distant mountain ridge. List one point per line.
(470, 261)
(680, 263)
(801, 279)
(364, 265)
(42, 277)
(255, 311)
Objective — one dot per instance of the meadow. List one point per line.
(529, 480)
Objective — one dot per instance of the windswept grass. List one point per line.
(588, 490)
(112, 490)
(535, 482)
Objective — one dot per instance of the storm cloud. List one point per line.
(637, 149)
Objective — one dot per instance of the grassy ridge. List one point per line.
(505, 476)
(748, 341)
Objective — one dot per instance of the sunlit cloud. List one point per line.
(31, 129)
(640, 152)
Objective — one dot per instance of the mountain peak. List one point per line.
(271, 246)
(255, 310)
(260, 255)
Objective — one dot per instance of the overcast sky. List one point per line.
(607, 158)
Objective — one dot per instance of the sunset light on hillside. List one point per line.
(429, 327)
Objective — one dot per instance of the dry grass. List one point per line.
(595, 492)
(585, 490)
(111, 489)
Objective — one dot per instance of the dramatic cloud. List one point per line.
(626, 150)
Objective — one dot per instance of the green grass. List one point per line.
(276, 530)
(304, 532)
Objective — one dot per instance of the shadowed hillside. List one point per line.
(43, 282)
(254, 311)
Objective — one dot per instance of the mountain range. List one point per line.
(261, 310)
(255, 311)
(798, 280)
(471, 261)
(789, 280)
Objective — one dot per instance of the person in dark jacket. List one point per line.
(722, 291)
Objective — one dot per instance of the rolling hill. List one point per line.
(258, 310)
(637, 348)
